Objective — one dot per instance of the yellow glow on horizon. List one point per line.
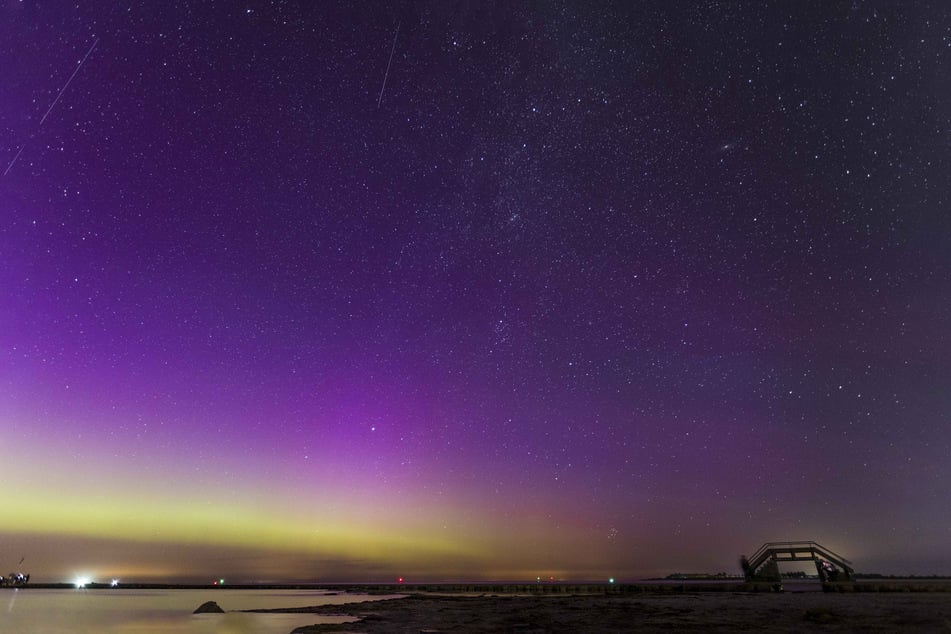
(189, 522)
(338, 518)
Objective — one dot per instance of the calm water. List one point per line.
(103, 611)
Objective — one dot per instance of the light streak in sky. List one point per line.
(52, 105)
(10, 165)
(68, 81)
(387, 73)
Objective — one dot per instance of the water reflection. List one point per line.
(163, 611)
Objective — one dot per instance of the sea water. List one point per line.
(128, 611)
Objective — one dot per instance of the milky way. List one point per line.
(600, 291)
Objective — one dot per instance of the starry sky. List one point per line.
(461, 291)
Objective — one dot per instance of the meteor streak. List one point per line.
(387, 73)
(52, 105)
(66, 85)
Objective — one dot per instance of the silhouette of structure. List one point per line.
(763, 565)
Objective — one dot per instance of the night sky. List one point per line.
(450, 290)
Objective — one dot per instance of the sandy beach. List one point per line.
(651, 612)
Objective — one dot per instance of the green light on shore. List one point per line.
(611, 580)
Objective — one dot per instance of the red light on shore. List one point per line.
(400, 580)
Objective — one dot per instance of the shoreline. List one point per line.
(649, 612)
(659, 586)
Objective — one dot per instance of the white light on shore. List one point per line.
(82, 582)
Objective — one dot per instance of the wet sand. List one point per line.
(686, 612)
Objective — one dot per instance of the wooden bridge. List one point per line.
(774, 552)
